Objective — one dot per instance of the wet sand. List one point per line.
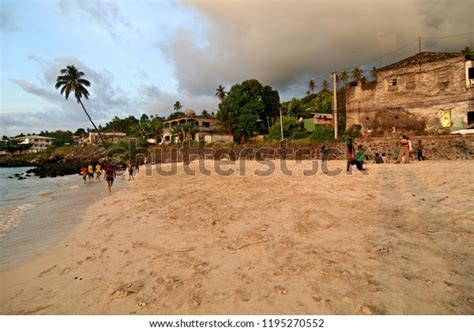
(399, 240)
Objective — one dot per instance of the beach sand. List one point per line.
(399, 240)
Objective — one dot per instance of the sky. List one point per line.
(142, 56)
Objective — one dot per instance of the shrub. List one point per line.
(322, 133)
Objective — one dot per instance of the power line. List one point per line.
(451, 36)
(378, 58)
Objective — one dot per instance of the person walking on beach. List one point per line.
(84, 173)
(130, 171)
(419, 151)
(98, 171)
(110, 175)
(90, 171)
(404, 154)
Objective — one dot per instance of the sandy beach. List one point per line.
(399, 240)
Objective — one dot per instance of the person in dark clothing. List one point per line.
(324, 153)
(378, 158)
(419, 151)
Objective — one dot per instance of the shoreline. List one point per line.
(33, 230)
(398, 241)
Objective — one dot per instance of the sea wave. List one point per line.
(10, 219)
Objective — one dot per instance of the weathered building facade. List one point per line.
(428, 93)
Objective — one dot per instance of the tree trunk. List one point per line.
(90, 119)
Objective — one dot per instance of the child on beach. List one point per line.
(350, 155)
(404, 154)
(360, 155)
(130, 171)
(419, 151)
(324, 153)
(84, 173)
(90, 171)
(98, 171)
(378, 159)
(384, 158)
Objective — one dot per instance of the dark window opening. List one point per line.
(367, 118)
(471, 77)
(392, 84)
(470, 117)
(206, 124)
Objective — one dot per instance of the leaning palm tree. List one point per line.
(220, 92)
(177, 106)
(311, 85)
(71, 80)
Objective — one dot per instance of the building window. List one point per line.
(471, 77)
(410, 83)
(392, 84)
(470, 117)
(443, 80)
(206, 124)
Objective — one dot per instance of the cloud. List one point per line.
(157, 102)
(285, 42)
(106, 100)
(106, 14)
(6, 21)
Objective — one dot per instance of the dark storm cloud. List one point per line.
(284, 42)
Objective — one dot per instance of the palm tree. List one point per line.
(71, 80)
(325, 86)
(177, 106)
(220, 92)
(373, 72)
(311, 85)
(343, 76)
(357, 74)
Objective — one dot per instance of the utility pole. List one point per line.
(281, 125)
(334, 104)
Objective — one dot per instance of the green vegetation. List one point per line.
(249, 108)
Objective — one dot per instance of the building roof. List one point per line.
(191, 118)
(35, 137)
(421, 58)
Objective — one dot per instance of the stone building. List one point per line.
(428, 93)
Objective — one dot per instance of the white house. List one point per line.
(38, 143)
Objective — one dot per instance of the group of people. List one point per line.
(359, 157)
(110, 173)
(406, 148)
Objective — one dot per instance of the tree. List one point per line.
(467, 51)
(325, 86)
(80, 132)
(311, 85)
(343, 77)
(358, 74)
(144, 118)
(220, 92)
(246, 103)
(205, 113)
(177, 106)
(373, 72)
(71, 80)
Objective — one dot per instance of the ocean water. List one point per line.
(38, 213)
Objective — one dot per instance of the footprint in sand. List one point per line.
(243, 294)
